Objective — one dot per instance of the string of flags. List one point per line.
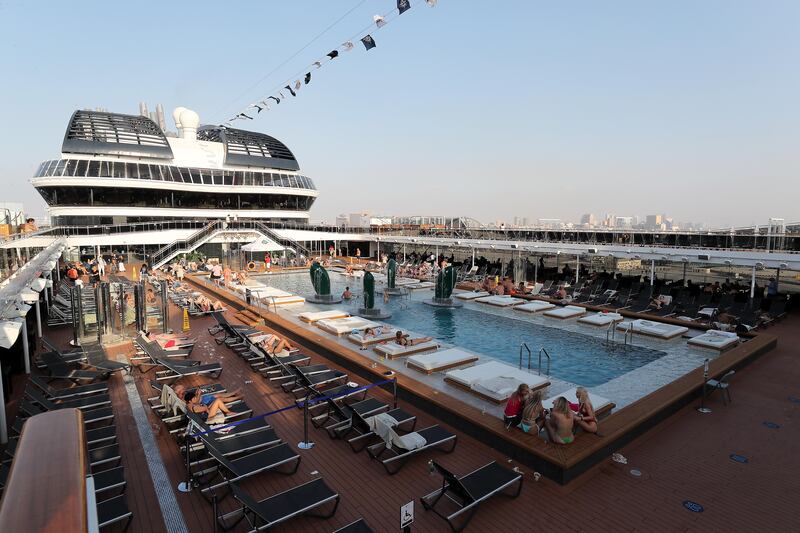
(296, 82)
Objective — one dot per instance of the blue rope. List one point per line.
(295, 406)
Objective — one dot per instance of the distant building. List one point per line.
(588, 220)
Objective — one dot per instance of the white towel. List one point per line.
(410, 441)
(379, 425)
(497, 384)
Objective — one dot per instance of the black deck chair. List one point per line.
(101, 414)
(359, 526)
(95, 438)
(58, 369)
(73, 355)
(153, 349)
(300, 500)
(209, 388)
(84, 403)
(113, 510)
(96, 359)
(469, 491)
(233, 443)
(435, 437)
(69, 392)
(264, 362)
(101, 458)
(235, 470)
(305, 386)
(109, 480)
(174, 371)
(336, 415)
(317, 396)
(366, 436)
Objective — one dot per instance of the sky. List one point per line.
(483, 109)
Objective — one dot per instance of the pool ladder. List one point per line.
(542, 350)
(611, 333)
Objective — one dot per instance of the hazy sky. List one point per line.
(475, 108)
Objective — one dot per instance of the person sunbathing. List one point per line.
(560, 422)
(405, 340)
(206, 398)
(656, 303)
(206, 405)
(585, 418)
(561, 293)
(533, 414)
(275, 345)
(169, 340)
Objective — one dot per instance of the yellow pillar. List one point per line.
(134, 276)
(186, 319)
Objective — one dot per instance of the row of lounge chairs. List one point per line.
(42, 395)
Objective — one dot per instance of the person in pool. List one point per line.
(560, 423)
(404, 340)
(512, 415)
(346, 295)
(585, 417)
(533, 414)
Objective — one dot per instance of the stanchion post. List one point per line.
(394, 386)
(305, 445)
(703, 409)
(186, 486)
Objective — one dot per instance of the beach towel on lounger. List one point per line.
(409, 441)
(170, 400)
(382, 424)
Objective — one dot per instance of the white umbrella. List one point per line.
(263, 245)
(9, 332)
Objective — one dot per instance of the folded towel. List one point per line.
(410, 441)
(387, 419)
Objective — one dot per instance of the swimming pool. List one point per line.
(576, 357)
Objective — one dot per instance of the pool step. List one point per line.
(248, 317)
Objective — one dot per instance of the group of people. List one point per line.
(525, 410)
(94, 269)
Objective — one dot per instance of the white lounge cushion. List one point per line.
(716, 339)
(468, 376)
(471, 295)
(282, 300)
(340, 326)
(598, 402)
(392, 349)
(431, 362)
(654, 329)
(500, 301)
(359, 338)
(601, 319)
(421, 285)
(535, 306)
(315, 316)
(568, 311)
(505, 381)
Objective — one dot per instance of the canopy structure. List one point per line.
(9, 332)
(24, 284)
(263, 245)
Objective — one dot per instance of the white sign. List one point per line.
(407, 514)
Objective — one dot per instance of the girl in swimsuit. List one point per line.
(533, 414)
(585, 418)
(559, 425)
(206, 405)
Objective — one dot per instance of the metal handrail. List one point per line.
(628, 331)
(542, 350)
(611, 331)
(521, 346)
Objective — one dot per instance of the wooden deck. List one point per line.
(685, 457)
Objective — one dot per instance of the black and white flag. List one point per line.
(290, 90)
(379, 21)
(368, 41)
(333, 54)
(277, 100)
(317, 64)
(348, 45)
(403, 6)
(308, 77)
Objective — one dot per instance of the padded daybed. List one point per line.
(471, 295)
(315, 316)
(535, 306)
(601, 405)
(392, 350)
(500, 301)
(568, 311)
(715, 339)
(653, 329)
(439, 361)
(601, 319)
(341, 326)
(494, 381)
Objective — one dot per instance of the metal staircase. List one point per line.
(218, 227)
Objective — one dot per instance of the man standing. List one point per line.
(101, 266)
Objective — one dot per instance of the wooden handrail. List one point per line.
(46, 489)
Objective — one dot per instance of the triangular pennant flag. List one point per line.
(244, 116)
(290, 90)
(368, 41)
(317, 64)
(431, 3)
(297, 85)
(256, 106)
(403, 6)
(277, 100)
(333, 54)
(348, 46)
(379, 21)
(308, 77)
(281, 95)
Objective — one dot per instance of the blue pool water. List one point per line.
(575, 357)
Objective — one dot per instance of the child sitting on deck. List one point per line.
(533, 414)
(512, 415)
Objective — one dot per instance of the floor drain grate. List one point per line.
(693, 506)
(739, 458)
(772, 425)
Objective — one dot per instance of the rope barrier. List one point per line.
(294, 406)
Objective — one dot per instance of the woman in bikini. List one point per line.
(206, 398)
(585, 418)
(206, 405)
(533, 414)
(404, 340)
(560, 423)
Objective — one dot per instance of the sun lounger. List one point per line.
(108, 480)
(653, 329)
(469, 491)
(316, 316)
(264, 514)
(715, 339)
(494, 381)
(568, 311)
(359, 526)
(68, 392)
(500, 301)
(392, 350)
(426, 439)
(85, 402)
(58, 369)
(601, 405)
(601, 319)
(440, 361)
(534, 306)
(387, 335)
(364, 424)
(90, 416)
(471, 295)
(239, 468)
(342, 326)
(174, 371)
(113, 510)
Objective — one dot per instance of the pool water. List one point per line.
(575, 357)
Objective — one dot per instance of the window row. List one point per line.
(129, 197)
(118, 169)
